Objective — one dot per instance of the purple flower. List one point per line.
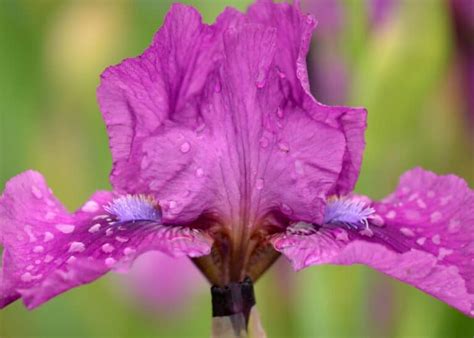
(221, 154)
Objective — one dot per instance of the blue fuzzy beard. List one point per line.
(132, 208)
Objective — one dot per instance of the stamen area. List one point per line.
(351, 212)
(131, 208)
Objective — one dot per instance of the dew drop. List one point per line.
(109, 232)
(71, 260)
(90, 206)
(30, 267)
(110, 261)
(48, 258)
(407, 232)
(421, 240)
(199, 172)
(435, 217)
(261, 81)
(36, 192)
(421, 203)
(129, 251)
(172, 204)
(286, 209)
(50, 215)
(185, 147)
(76, 247)
(107, 248)
(217, 87)
(263, 142)
(279, 112)
(26, 277)
(436, 239)
(443, 252)
(48, 236)
(94, 228)
(259, 184)
(391, 214)
(283, 146)
(454, 226)
(65, 228)
(121, 239)
(38, 249)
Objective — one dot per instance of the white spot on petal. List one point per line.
(110, 261)
(454, 226)
(26, 277)
(199, 172)
(76, 247)
(50, 215)
(121, 239)
(421, 240)
(94, 228)
(407, 232)
(65, 228)
(107, 248)
(443, 252)
(436, 239)
(29, 232)
(36, 192)
(30, 267)
(109, 232)
(435, 217)
(48, 258)
(48, 236)
(38, 249)
(185, 147)
(90, 206)
(129, 251)
(71, 260)
(421, 203)
(391, 214)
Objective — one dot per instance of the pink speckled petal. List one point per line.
(424, 236)
(220, 119)
(48, 250)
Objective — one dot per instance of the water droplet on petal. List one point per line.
(286, 209)
(421, 240)
(217, 87)
(279, 112)
(407, 232)
(284, 147)
(76, 247)
(94, 228)
(259, 184)
(199, 172)
(36, 192)
(65, 228)
(391, 214)
(107, 248)
(185, 147)
(454, 226)
(26, 277)
(261, 81)
(48, 236)
(110, 261)
(435, 217)
(90, 206)
(436, 239)
(38, 249)
(129, 251)
(263, 142)
(48, 258)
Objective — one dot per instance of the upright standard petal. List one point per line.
(236, 133)
(48, 250)
(423, 234)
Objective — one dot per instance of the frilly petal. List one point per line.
(422, 234)
(48, 250)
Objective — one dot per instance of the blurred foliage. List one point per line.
(51, 56)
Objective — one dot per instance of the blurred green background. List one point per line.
(403, 71)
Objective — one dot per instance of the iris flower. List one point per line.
(220, 153)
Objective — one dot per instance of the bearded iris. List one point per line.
(220, 153)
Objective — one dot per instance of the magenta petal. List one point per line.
(219, 119)
(426, 239)
(48, 250)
